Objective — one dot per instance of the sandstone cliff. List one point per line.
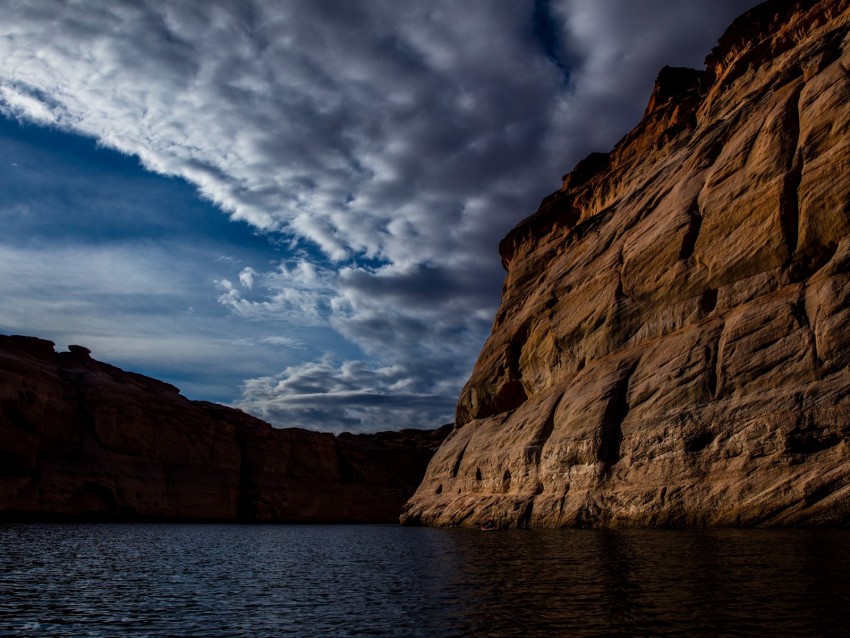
(672, 345)
(83, 438)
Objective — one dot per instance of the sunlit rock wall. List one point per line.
(673, 340)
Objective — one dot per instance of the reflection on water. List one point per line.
(638, 583)
(211, 580)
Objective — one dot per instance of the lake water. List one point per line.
(233, 580)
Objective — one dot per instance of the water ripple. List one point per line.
(220, 580)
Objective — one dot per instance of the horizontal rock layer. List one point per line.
(80, 438)
(672, 343)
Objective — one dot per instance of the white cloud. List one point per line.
(331, 396)
(298, 291)
(246, 277)
(88, 270)
(287, 342)
(402, 140)
(143, 306)
(19, 104)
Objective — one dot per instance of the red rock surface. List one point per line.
(83, 438)
(672, 345)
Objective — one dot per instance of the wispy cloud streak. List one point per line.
(389, 145)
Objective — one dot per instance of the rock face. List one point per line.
(672, 345)
(83, 438)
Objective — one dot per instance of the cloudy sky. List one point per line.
(294, 206)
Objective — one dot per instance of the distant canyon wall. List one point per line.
(83, 439)
(673, 341)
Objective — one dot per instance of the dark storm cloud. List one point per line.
(392, 144)
(615, 50)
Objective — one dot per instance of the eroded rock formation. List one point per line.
(82, 438)
(672, 345)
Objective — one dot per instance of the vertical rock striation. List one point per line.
(672, 345)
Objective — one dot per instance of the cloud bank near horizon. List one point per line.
(381, 148)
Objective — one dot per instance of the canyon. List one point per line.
(84, 440)
(671, 348)
(672, 343)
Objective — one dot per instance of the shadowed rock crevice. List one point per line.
(689, 239)
(807, 442)
(616, 411)
(801, 313)
(506, 481)
(524, 519)
(458, 461)
(822, 256)
(545, 432)
(708, 301)
(534, 450)
(789, 208)
(712, 372)
(699, 440)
